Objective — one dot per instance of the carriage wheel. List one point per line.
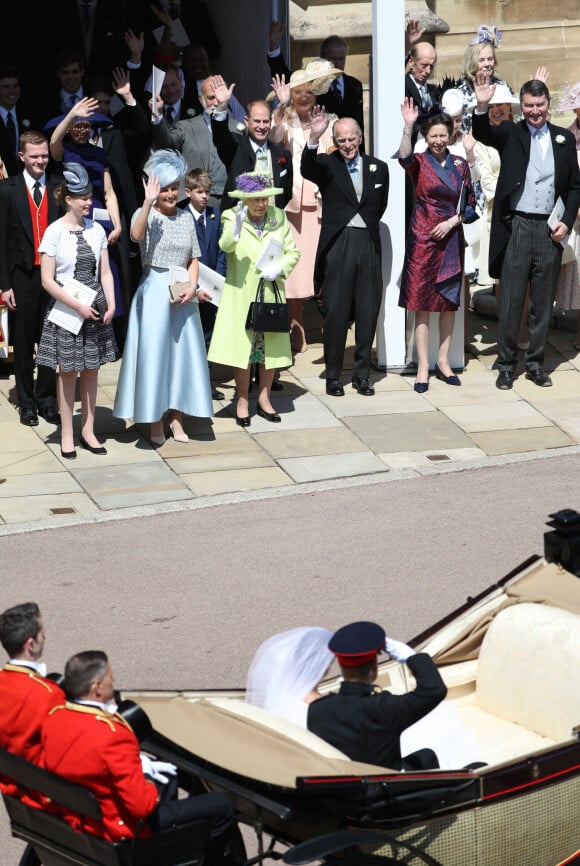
(234, 849)
(30, 857)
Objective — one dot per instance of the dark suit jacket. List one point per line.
(339, 200)
(11, 161)
(412, 92)
(367, 725)
(211, 254)
(244, 159)
(513, 141)
(112, 18)
(16, 237)
(352, 103)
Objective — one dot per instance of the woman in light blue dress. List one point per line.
(164, 368)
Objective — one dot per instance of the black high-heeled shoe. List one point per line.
(449, 380)
(244, 421)
(68, 455)
(84, 444)
(269, 416)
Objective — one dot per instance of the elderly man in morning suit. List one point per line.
(422, 60)
(347, 271)
(539, 169)
(26, 696)
(364, 721)
(193, 137)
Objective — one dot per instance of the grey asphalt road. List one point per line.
(184, 599)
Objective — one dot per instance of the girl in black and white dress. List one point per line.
(76, 247)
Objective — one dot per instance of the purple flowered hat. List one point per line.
(254, 184)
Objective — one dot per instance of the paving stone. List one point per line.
(566, 384)
(139, 484)
(305, 412)
(24, 509)
(417, 431)
(383, 403)
(225, 443)
(303, 469)
(38, 485)
(469, 392)
(303, 443)
(495, 416)
(220, 462)
(213, 483)
(420, 459)
(29, 463)
(518, 441)
(14, 436)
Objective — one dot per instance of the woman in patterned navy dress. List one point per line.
(76, 247)
(433, 268)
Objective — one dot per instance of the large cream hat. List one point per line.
(319, 73)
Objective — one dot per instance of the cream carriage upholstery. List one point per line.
(527, 687)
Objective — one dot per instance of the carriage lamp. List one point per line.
(562, 543)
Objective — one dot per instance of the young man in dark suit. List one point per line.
(539, 166)
(13, 121)
(347, 271)
(208, 225)
(256, 153)
(27, 207)
(345, 94)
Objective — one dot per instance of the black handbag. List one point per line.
(270, 318)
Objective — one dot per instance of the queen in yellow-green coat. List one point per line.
(246, 232)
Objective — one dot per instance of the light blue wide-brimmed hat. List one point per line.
(168, 166)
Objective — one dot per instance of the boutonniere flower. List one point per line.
(240, 127)
(372, 167)
(281, 160)
(26, 123)
(190, 112)
(456, 162)
(559, 139)
(212, 216)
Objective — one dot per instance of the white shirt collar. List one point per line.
(543, 130)
(30, 181)
(196, 214)
(256, 147)
(39, 667)
(108, 708)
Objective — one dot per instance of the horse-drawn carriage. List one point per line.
(508, 791)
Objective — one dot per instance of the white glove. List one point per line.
(398, 650)
(240, 214)
(157, 769)
(271, 271)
